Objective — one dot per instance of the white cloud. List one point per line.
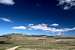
(7, 2)
(5, 19)
(39, 26)
(44, 27)
(54, 24)
(51, 29)
(61, 30)
(19, 27)
(69, 4)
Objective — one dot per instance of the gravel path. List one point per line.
(13, 48)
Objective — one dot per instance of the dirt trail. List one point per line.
(13, 48)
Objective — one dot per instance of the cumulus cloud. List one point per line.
(7, 2)
(44, 27)
(5, 19)
(19, 27)
(61, 30)
(39, 26)
(67, 4)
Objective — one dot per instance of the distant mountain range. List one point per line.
(20, 34)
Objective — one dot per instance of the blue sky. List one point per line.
(37, 17)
